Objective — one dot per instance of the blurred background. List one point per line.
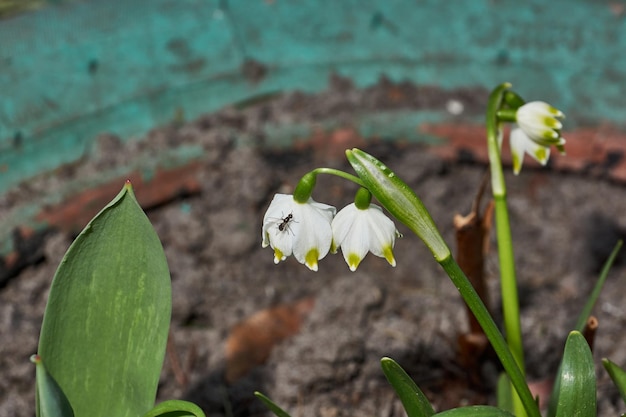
(70, 70)
(165, 91)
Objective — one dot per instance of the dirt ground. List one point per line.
(564, 226)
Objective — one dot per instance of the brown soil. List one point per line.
(564, 226)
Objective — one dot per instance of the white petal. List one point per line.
(342, 223)
(521, 144)
(539, 153)
(313, 232)
(383, 231)
(518, 140)
(356, 245)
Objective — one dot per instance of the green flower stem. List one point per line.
(339, 173)
(493, 131)
(496, 339)
(510, 304)
(508, 281)
(399, 200)
(305, 186)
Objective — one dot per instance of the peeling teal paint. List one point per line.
(77, 69)
(383, 125)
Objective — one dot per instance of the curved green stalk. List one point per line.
(339, 173)
(398, 198)
(508, 281)
(509, 362)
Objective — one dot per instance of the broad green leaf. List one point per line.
(105, 327)
(271, 405)
(175, 408)
(504, 393)
(413, 399)
(618, 375)
(51, 401)
(577, 385)
(591, 301)
(475, 411)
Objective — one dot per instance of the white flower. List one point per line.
(358, 231)
(538, 128)
(299, 228)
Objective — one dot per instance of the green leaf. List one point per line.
(51, 401)
(175, 408)
(105, 327)
(475, 411)
(413, 399)
(504, 393)
(591, 301)
(618, 375)
(279, 412)
(577, 380)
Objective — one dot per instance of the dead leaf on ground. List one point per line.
(251, 341)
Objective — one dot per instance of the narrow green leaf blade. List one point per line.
(504, 392)
(175, 408)
(105, 327)
(475, 411)
(618, 375)
(577, 389)
(597, 289)
(271, 405)
(51, 401)
(413, 399)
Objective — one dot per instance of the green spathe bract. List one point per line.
(106, 323)
(398, 199)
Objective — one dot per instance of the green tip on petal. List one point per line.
(310, 260)
(333, 247)
(556, 112)
(552, 123)
(541, 155)
(550, 134)
(278, 256)
(353, 261)
(388, 253)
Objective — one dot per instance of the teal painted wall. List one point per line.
(76, 69)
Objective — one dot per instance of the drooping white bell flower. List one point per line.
(538, 129)
(301, 229)
(540, 122)
(358, 231)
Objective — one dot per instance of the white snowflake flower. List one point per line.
(538, 128)
(358, 231)
(301, 229)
